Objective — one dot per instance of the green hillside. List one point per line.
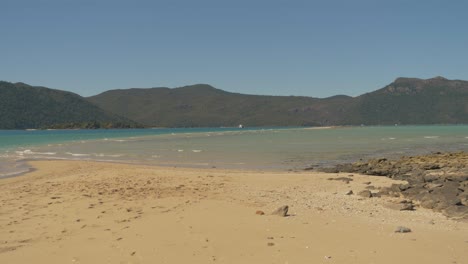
(404, 101)
(23, 106)
(415, 101)
(203, 105)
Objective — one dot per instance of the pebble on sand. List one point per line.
(402, 229)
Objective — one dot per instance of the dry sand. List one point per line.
(88, 212)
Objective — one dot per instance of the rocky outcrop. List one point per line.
(437, 181)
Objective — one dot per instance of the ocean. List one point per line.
(231, 148)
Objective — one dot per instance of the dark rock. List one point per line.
(402, 229)
(281, 211)
(401, 206)
(460, 212)
(463, 198)
(430, 167)
(429, 203)
(365, 194)
(430, 178)
(404, 187)
(343, 179)
(439, 181)
(349, 192)
(407, 206)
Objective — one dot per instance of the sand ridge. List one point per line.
(91, 212)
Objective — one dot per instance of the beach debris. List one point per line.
(365, 194)
(402, 229)
(343, 179)
(403, 205)
(259, 212)
(406, 205)
(327, 257)
(349, 192)
(281, 211)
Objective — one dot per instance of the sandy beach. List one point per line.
(91, 212)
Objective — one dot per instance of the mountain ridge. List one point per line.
(24, 106)
(404, 101)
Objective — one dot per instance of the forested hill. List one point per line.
(414, 101)
(24, 106)
(203, 105)
(405, 101)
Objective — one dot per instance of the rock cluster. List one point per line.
(437, 181)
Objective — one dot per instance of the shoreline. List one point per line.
(83, 212)
(437, 181)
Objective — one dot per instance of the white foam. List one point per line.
(431, 137)
(180, 150)
(30, 152)
(196, 150)
(77, 154)
(108, 155)
(120, 140)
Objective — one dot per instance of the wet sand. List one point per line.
(90, 212)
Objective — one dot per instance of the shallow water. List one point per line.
(271, 148)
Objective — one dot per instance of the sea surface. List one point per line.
(249, 148)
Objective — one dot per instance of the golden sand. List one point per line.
(89, 212)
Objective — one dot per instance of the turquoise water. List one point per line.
(254, 148)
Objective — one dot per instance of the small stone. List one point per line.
(270, 244)
(282, 211)
(407, 207)
(349, 192)
(259, 212)
(402, 229)
(365, 193)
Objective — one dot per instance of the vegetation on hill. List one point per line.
(23, 106)
(203, 105)
(415, 101)
(405, 101)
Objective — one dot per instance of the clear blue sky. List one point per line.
(311, 48)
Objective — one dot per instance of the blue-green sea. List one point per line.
(249, 148)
